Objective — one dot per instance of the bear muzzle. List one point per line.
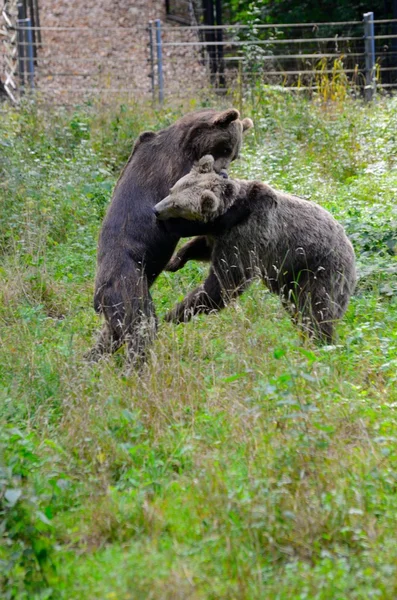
(165, 209)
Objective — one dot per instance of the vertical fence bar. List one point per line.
(240, 86)
(393, 63)
(210, 36)
(159, 47)
(369, 34)
(32, 17)
(220, 64)
(37, 20)
(21, 45)
(151, 61)
(29, 53)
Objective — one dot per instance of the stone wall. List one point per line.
(108, 53)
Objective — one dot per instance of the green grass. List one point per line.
(242, 462)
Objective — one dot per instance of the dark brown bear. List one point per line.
(133, 246)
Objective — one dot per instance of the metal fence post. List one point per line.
(369, 38)
(37, 21)
(159, 47)
(29, 53)
(151, 60)
(32, 18)
(21, 45)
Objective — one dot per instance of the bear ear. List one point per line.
(227, 116)
(209, 202)
(247, 124)
(206, 164)
(145, 136)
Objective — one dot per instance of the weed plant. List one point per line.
(241, 463)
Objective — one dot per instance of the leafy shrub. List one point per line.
(27, 547)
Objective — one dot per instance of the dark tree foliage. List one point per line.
(302, 11)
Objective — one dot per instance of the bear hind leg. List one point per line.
(320, 316)
(129, 315)
(141, 331)
(105, 344)
(213, 295)
(310, 310)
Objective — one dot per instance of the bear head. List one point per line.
(201, 195)
(219, 133)
(206, 131)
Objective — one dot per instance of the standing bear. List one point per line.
(134, 246)
(295, 246)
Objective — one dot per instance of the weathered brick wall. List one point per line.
(110, 52)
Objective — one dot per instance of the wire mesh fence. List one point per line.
(174, 60)
(296, 56)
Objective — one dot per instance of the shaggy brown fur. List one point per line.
(133, 246)
(295, 246)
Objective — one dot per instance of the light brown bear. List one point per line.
(295, 246)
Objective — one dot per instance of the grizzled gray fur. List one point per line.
(295, 246)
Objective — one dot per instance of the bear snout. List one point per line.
(162, 209)
(161, 215)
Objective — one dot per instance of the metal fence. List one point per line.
(296, 56)
(164, 60)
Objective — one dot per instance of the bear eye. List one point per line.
(229, 189)
(222, 150)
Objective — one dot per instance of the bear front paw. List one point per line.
(174, 264)
(172, 317)
(178, 315)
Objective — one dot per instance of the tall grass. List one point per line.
(240, 463)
